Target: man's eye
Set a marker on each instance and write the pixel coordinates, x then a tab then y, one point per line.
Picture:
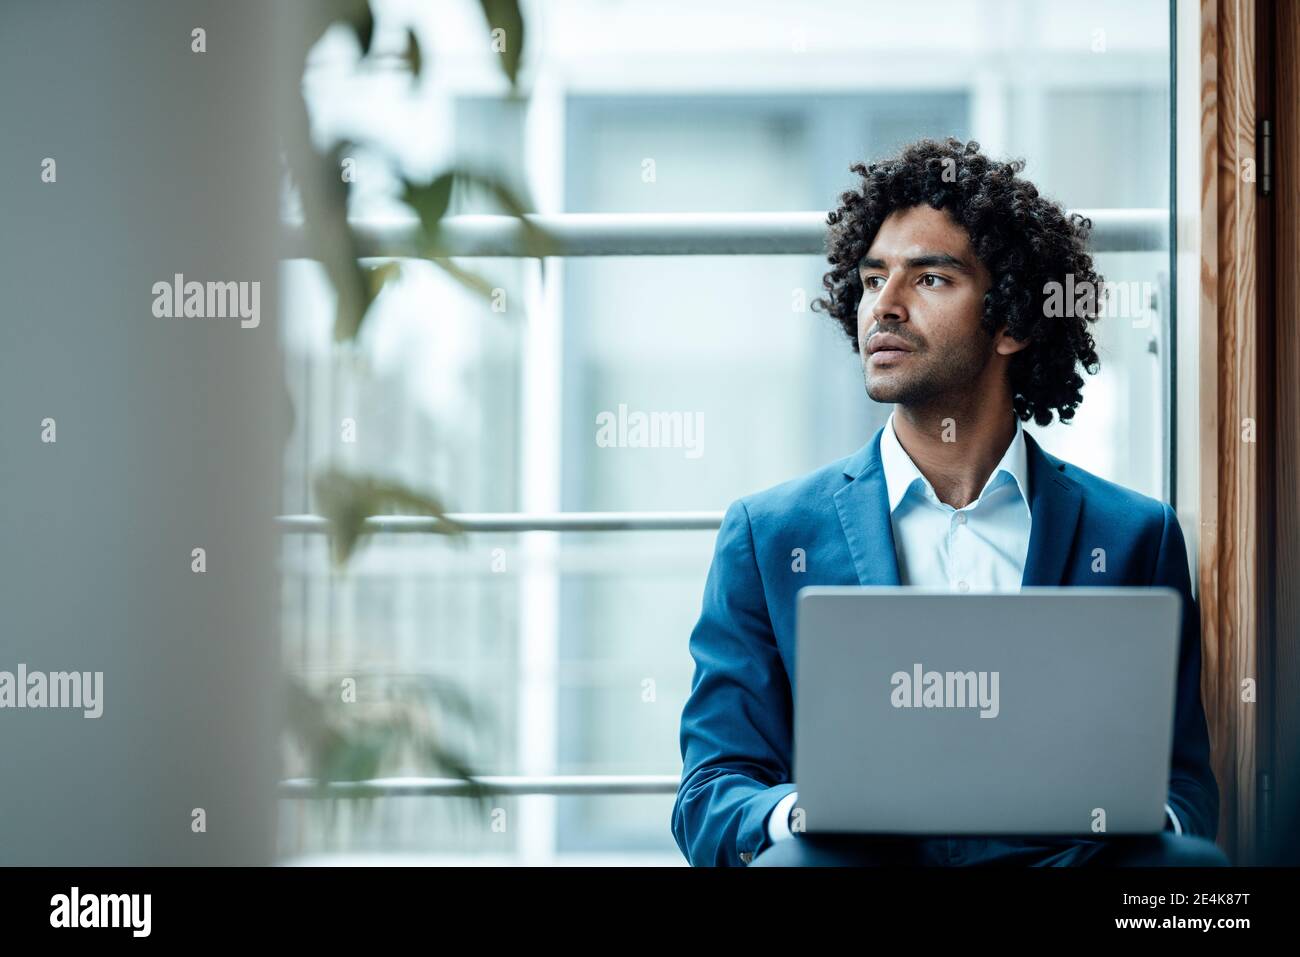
870	282
938	280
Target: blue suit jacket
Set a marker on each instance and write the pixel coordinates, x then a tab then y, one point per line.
737	725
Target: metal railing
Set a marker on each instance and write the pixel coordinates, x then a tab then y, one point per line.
519	522
504	785
606	234
671	234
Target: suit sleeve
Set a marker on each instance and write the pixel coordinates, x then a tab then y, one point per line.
737	722
1193	790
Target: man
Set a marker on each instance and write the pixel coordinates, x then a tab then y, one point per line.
942	266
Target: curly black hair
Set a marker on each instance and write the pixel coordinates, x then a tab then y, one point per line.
1025	240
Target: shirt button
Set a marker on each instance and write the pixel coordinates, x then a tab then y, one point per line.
963	586
960	518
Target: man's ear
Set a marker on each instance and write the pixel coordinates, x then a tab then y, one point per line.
1005	345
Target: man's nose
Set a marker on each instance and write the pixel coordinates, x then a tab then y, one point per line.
889	302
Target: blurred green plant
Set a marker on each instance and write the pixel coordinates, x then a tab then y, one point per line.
377	726
340	740
355	733
323	191
347	500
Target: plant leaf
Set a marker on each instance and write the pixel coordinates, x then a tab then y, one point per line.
359	740
413	57
380	276
429	200
347	500
536	241
313	19
324	196
470	280
504	15
362	22
432	200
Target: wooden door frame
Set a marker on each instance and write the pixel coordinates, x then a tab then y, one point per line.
1238	411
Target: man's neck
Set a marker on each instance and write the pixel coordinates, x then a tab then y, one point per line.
956	453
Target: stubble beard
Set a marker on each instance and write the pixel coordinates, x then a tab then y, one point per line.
950	380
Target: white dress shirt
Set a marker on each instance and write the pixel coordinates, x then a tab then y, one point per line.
979	548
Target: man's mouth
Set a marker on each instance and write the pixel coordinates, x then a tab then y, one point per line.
885	348
888	357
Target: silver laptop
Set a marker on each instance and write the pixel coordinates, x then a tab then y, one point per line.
1048	711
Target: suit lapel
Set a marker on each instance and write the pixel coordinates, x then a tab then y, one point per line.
1054	516
863	506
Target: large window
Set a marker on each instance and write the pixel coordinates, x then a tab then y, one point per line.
574	644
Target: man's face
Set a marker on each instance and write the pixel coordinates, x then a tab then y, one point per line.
919	326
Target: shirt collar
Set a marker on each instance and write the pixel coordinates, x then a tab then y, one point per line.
901	472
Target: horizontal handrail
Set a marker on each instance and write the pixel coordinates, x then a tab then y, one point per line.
501	784
667	234
519	522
